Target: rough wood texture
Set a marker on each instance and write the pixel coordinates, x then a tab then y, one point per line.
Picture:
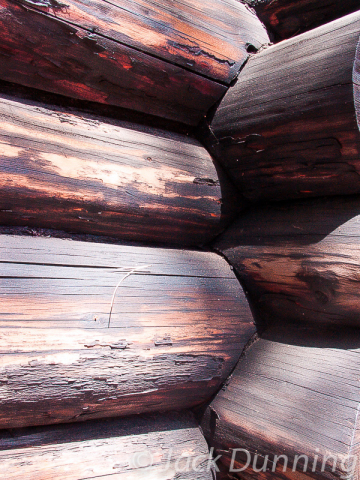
286	18
292	393
87	174
94	330
154	447
288	128
300	261
172	60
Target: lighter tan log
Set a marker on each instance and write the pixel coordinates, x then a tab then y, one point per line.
94	330
87	174
156	447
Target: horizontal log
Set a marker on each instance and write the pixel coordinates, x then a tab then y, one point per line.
288	128
293	395
286	18
160	447
95	330
87	174
299	261
173	61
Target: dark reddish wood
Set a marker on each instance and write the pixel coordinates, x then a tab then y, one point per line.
300	261
171	61
72	105
286	18
292	393
95	330
288	128
87	174
161	447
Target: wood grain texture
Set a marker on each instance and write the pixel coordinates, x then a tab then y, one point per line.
356	81
292	393
171	60
87	174
300	261
95	330
156	447
286	18
288	128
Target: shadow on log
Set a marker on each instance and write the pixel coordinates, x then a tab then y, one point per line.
173	60
286	18
161	447
288	128
87	174
94	330
300	261
290	409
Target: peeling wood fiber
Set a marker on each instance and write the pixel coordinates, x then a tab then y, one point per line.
87	174
288	128
173	60
80	338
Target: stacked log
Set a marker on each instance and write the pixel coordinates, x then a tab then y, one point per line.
94	330
90	331
161	447
288	128
290	409
174	61
81	173
284	18
299	261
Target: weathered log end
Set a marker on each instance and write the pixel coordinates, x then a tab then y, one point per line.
299	261
290	409
288	128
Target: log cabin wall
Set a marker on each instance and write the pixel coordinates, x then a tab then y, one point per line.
293	398
80	346
94	330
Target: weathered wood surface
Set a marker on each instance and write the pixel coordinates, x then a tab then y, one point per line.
292	393
156	447
300	261
73	105
88	174
173	60
288	128
95	330
286	18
